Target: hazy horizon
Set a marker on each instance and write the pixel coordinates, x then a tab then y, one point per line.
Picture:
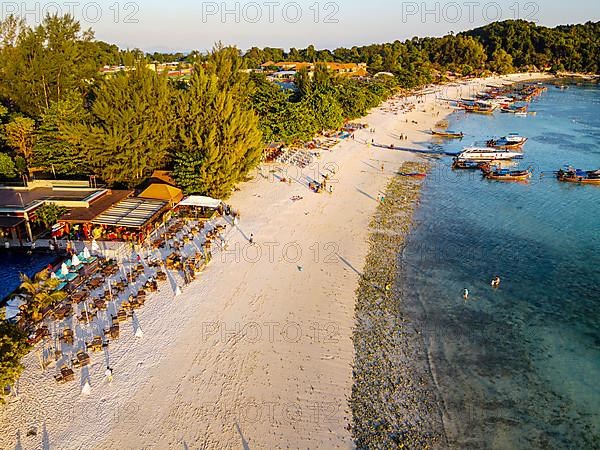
182	26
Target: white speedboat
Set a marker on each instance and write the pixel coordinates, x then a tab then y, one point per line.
488	154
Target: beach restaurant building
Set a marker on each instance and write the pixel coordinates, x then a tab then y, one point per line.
129	219
18	205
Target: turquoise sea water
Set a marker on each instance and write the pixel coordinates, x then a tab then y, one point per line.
517	367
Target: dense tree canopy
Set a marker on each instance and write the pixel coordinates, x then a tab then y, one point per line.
13	347
59	114
570	47
217	136
130	130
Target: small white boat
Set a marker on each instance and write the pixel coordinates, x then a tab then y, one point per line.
488	154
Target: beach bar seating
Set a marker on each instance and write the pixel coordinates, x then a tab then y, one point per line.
81	360
79	296
39	335
67	336
113	331
66	374
97	344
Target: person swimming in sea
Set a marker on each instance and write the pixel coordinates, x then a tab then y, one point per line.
466	294
496	282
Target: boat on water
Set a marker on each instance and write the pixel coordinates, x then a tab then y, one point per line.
494	173
466	164
488	154
511	141
515	109
413	174
479	108
579	176
448	134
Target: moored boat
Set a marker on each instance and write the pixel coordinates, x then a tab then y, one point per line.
466	164
492	173
511	141
579	176
487	154
448	134
479	108
514	110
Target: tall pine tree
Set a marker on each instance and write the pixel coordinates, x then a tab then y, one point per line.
131	127
218	140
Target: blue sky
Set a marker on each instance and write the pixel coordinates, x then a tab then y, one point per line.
183	25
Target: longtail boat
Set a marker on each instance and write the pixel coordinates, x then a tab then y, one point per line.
479	108
466	164
448	134
512	141
579	176
514	109
506	174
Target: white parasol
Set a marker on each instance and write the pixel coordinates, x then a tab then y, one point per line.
86	253
64	269
95	246
75	261
139	333
87	389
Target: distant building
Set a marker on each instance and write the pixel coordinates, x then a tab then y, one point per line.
344	69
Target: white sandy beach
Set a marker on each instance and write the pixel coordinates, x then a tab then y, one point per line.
257	352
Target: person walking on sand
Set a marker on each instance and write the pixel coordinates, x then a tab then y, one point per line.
251	240
382	167
109	374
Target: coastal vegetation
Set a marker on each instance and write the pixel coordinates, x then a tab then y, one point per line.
62	116
13	347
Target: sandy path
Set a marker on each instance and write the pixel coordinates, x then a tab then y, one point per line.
257	352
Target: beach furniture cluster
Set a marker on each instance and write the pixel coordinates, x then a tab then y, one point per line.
102	294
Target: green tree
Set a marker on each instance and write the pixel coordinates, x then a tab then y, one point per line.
218	139
53	149
20	136
327	111
40	293
13	347
46	63
7	166
501	62
48	214
130	128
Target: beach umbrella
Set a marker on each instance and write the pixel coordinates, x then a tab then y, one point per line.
11	313
178	291
16	302
95	247
139	333
75	261
87	389
86	253
64	269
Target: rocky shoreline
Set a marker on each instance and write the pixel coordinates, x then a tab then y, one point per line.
393	400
